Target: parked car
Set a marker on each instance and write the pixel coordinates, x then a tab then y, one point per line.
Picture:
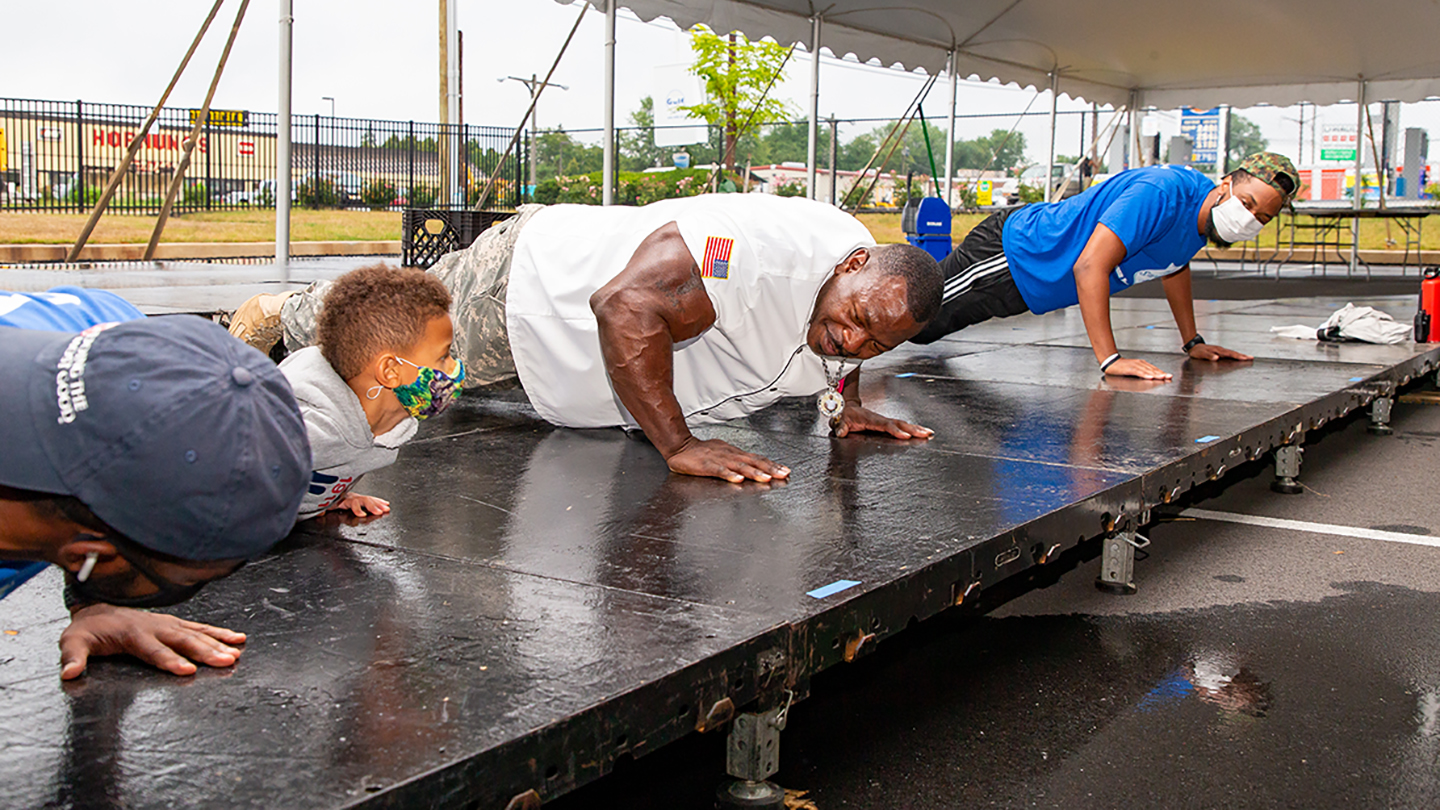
1034	177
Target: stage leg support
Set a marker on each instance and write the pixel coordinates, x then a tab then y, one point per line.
1117	561
752	756
1287	470
1380	416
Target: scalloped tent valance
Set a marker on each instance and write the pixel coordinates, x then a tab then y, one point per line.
1170	53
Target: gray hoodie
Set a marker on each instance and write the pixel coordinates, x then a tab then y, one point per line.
341	444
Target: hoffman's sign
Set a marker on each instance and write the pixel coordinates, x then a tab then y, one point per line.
223	118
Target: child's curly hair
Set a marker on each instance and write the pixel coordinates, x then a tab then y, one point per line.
377	309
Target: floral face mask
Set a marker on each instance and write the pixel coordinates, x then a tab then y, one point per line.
432	391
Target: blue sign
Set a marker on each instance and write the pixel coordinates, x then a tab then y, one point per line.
1202	127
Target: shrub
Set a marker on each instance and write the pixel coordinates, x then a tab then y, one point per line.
969	196
790	190
378	194
92	196
499	195
547	191
194	196
632	188
318	193
422	195
1031	194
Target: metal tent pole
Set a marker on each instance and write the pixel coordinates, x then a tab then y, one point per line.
950	138
1222	153
834	154
283	171
1133	160
1359	176
608	175
811	137
1050	153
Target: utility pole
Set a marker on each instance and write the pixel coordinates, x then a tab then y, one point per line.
444	141
533	84
449	102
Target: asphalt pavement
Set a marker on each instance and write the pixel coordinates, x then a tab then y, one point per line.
1256	667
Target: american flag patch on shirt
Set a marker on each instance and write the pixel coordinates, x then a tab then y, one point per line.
717	257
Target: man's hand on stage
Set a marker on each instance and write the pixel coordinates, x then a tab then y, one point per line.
1135	367
856	418
1207	351
166	642
714	458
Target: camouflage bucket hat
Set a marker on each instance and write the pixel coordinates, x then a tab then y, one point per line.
1268	167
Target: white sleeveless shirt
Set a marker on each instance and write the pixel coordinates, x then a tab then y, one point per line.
763	260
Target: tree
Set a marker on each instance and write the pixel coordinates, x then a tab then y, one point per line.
787	143
637	146
558	154
1245	139
737	73
855	154
1008	152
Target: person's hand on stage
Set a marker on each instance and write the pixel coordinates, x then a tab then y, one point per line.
713	458
161	640
1207	351
362	505
1134	367
856	418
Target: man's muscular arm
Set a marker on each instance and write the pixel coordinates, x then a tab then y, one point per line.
1182	306
1102	254
656	301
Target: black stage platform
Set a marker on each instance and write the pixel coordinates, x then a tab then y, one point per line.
543	602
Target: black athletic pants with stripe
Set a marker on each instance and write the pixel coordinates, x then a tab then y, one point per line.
978	284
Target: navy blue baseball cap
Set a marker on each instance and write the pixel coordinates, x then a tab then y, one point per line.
177	435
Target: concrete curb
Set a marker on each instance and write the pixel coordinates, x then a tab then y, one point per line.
17	254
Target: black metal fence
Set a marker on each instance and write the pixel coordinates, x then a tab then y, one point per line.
58	156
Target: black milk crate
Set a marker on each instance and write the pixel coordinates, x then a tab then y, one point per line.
429	233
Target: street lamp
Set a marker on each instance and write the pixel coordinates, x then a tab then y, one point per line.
533	84
330	99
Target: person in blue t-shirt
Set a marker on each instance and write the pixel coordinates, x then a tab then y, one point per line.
145	457
1139	225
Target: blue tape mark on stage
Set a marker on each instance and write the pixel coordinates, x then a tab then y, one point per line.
1356	379
906	374
1206	439
833	588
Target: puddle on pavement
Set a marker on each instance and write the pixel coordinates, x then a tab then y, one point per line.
1332	703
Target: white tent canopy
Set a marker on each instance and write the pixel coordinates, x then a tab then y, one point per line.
1171	53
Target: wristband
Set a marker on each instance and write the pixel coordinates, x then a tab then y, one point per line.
1192	343
1108	362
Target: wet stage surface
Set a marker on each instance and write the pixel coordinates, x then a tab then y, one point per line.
544	602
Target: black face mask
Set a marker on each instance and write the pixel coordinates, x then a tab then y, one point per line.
168	593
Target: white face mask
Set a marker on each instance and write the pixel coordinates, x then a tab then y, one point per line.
1233	221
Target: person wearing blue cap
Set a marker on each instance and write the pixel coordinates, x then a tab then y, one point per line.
145	457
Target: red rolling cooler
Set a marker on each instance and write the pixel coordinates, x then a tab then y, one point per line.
1427	318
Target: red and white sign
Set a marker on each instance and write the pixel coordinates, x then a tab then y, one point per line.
246	148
